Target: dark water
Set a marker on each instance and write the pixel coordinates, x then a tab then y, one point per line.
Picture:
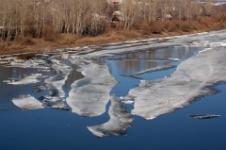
61	129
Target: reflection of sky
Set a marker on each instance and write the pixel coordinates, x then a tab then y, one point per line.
54	129
125	66
125	83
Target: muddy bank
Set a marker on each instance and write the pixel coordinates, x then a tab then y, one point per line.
64	41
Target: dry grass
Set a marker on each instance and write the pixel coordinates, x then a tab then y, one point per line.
153	29
111	36
65	40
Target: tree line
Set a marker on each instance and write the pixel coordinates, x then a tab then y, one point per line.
43	18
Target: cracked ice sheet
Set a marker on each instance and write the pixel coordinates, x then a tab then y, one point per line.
33	63
31	79
118	123
190	80
205	39
27	102
90	95
57	81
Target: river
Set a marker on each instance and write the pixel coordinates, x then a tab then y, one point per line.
129	95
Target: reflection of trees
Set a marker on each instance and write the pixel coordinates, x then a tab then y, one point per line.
135	62
13	73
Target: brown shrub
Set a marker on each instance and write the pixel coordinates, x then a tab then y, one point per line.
67	38
27	41
156	27
172	26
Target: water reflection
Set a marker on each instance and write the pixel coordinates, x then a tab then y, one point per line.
64	129
59	72
131	63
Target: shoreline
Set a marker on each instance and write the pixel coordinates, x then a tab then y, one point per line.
42	46
46	39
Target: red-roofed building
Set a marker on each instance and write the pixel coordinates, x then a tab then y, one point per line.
115	2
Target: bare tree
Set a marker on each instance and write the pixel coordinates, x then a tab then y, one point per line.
40	18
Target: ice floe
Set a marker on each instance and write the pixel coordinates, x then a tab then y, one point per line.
31	79
27	102
205	116
167	66
191	79
118	123
57	80
89	96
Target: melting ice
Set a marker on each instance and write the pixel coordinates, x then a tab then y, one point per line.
82	82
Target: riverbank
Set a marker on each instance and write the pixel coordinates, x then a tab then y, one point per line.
152	30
